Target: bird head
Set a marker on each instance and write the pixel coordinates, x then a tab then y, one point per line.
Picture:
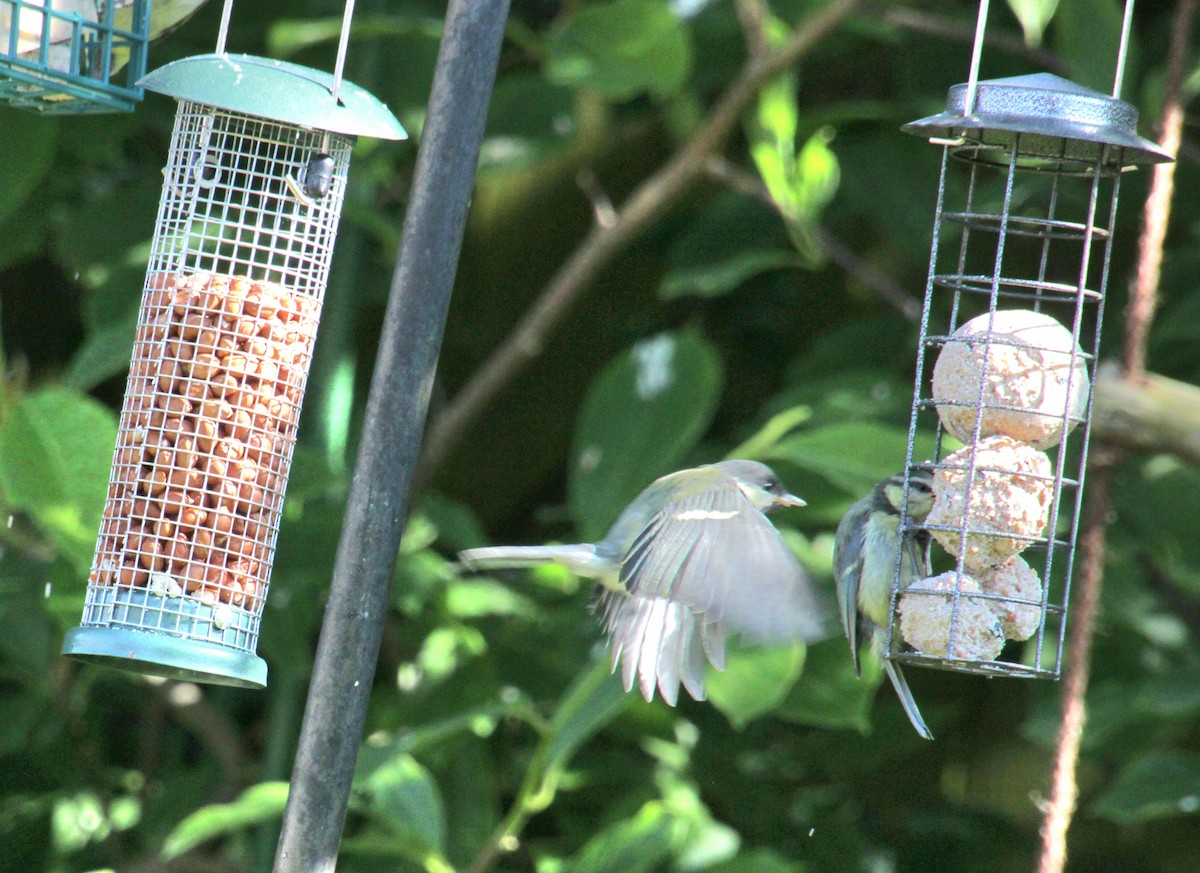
920	492
760	485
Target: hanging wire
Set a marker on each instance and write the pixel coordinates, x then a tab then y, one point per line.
1126	26
223	31
976	56
343	41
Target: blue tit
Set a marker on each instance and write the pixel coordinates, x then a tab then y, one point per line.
692	559
864	562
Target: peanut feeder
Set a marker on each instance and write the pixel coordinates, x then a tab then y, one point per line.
1011	322
252	194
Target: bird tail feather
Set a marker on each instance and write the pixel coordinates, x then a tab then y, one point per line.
512	557
907	699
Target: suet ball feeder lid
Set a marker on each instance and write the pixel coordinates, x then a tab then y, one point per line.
1055	118
275	90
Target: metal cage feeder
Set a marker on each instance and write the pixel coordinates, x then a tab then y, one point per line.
1022	238
73	56
238	266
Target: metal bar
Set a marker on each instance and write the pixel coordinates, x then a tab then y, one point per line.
391	438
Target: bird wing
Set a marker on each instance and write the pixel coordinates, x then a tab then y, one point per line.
848	552
657	642
711	550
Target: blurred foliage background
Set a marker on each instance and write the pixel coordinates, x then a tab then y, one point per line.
778	295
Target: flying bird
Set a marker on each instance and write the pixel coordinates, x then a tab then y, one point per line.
691	560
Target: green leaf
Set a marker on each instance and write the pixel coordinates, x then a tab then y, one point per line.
726	276
621	49
758	861
1034	15
105	353
258	803
1162	783
732	240
778	426
592	701
56	449
642	415
754	681
1087	34
638	845
26	155
852	455
830	695
400	793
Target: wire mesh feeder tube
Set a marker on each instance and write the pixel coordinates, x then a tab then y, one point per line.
1010	326
73	56
230	306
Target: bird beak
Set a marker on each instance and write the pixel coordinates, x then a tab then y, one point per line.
789	500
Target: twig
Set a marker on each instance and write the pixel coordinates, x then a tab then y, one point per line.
1138	316
650	201
752	15
1063	789
1156	215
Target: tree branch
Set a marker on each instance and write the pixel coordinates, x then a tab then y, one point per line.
649	202
1157	212
1138	316
1146	413
1063	790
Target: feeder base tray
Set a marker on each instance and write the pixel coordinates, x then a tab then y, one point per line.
170	657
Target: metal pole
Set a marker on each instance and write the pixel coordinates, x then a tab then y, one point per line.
391	437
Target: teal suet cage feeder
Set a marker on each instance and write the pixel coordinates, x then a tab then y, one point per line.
73	56
1010	329
251	198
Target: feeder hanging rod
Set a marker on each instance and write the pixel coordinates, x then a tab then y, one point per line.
391	437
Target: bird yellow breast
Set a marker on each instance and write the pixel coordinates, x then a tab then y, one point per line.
875	583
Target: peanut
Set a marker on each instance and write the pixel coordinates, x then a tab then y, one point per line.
207	430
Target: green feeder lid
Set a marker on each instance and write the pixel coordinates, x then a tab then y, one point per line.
276	90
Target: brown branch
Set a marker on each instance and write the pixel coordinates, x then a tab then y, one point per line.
650	201
1157	213
1146	413
1064	789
